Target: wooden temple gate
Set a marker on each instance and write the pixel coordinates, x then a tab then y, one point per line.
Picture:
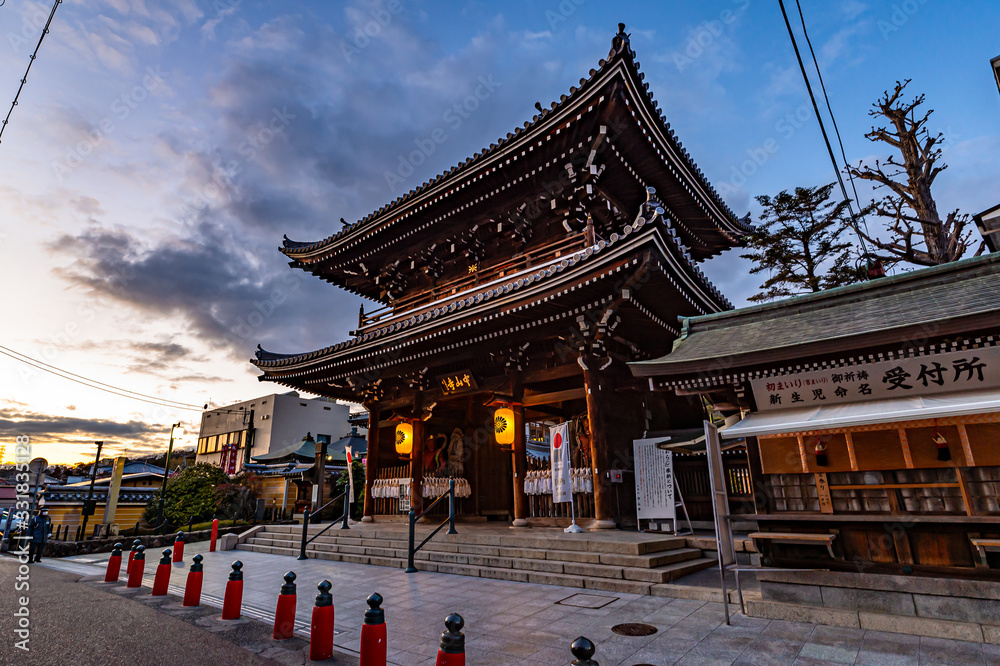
515	288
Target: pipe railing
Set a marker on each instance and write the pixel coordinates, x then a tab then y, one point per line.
450	521
305	522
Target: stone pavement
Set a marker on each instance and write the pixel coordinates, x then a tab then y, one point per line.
529	624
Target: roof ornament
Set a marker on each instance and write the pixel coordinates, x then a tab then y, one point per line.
620	41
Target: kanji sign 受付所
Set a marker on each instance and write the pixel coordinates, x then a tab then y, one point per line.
916	375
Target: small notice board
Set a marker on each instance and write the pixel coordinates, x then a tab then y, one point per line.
654	482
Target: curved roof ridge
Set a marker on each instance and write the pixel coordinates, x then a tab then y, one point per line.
620	49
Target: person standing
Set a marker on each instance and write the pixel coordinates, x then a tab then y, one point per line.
38	532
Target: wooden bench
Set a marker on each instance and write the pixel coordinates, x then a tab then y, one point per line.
799	538
982	545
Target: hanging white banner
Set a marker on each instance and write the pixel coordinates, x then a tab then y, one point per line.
350	471
562	482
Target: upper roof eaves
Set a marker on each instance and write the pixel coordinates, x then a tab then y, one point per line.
621	52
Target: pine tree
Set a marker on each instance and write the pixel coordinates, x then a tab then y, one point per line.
800	243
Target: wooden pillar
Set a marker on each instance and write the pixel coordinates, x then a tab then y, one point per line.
372	468
519	451
417	465
598	443
284	495
471	444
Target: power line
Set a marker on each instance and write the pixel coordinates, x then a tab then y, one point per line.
101	386
833	118
31	61
822	126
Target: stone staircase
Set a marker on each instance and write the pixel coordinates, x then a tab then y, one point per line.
613	563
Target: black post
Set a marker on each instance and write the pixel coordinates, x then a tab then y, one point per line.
347	508
90	494
451	507
409	557
305	533
191	524
77	537
166	473
583	649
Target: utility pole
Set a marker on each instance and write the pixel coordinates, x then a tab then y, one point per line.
166	472
248	446
89	505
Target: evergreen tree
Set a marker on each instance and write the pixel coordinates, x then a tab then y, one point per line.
800	243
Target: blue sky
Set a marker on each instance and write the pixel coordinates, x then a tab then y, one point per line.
159	153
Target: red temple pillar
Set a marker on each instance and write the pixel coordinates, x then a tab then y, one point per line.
372	467
417	465
519	452
592	380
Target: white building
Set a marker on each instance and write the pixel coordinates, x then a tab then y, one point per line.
279	420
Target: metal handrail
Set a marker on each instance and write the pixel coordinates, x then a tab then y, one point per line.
450	520
305	522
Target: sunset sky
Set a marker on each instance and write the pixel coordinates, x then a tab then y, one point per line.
160	150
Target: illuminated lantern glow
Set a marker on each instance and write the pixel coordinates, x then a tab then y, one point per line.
503	425
404	439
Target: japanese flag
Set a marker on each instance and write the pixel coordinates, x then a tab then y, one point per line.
562	489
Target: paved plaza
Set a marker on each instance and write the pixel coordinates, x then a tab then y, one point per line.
520	623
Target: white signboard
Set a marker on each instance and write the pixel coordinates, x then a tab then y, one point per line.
654	480
562	482
919	375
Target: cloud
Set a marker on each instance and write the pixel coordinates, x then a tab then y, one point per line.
292	137
69	428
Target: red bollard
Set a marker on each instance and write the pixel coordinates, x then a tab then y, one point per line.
373	639
232	603
179	547
138	564
192	590
131	555
162	579
321	632
114	564
452	650
284	614
215	534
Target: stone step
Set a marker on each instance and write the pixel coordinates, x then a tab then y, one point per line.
651	568
522	539
384	548
566	574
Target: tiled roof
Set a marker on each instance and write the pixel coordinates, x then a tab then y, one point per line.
73	494
920	298
621	50
504	286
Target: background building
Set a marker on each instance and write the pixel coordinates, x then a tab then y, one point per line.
278	422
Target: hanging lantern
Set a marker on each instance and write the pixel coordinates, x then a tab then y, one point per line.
503	425
404	439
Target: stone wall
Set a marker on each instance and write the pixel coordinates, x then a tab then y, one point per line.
150	541
943	607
